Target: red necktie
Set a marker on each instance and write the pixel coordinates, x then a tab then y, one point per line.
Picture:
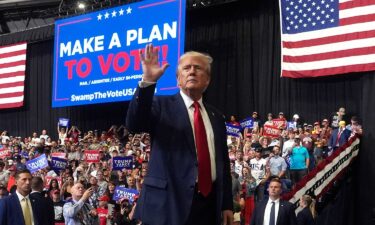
204	162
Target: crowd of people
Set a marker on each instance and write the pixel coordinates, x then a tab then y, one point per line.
255	159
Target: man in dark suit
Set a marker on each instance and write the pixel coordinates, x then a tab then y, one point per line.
44	203
339	136
274	211
20	208
188	180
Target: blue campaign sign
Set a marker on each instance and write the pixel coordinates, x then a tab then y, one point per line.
121	192
96	55
37	163
120	163
247	123
59	163
63	122
233	130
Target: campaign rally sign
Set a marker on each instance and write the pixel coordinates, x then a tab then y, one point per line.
271	131
37	164
121	192
63	122
92	156
120	163
279	123
96	55
58	163
233	130
4	152
291	125
247	123
60	155
49	179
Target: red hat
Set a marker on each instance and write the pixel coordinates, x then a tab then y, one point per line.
104	198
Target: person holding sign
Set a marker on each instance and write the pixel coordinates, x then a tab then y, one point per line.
188	172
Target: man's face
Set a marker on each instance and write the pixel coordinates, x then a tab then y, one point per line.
24	183
193	75
239	156
77	190
274	189
276	150
342	111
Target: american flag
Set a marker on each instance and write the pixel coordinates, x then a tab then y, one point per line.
12	75
327	37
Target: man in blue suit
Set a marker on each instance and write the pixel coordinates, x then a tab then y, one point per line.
188	180
339	136
19	208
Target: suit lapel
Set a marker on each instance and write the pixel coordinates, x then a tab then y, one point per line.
182	113
280	213
17	208
262	210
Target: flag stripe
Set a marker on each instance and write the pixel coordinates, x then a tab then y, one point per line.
330	55
351	60
12	74
11	54
352	4
13	88
328	40
12	48
11	100
12	80
330	32
11	105
10	95
329	71
329	47
357	11
12	64
357	19
12	69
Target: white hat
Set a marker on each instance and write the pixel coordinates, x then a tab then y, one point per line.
296	116
10	162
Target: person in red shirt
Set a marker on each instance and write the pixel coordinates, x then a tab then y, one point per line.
102	210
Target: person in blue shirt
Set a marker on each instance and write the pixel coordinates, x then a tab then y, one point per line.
299	161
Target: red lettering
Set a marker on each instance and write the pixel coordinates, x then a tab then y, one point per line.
84	62
116	65
137	59
104	66
70	65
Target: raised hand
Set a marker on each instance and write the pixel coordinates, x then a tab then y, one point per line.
152	70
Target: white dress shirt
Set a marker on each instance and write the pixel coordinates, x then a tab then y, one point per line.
266	220
207	124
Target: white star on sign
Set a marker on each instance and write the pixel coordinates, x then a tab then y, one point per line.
100	16
121	12
128	10
106	15
114	13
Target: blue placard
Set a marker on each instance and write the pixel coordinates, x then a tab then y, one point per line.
120	163
121	192
37	163
291	125
247	123
64	122
58	163
233	130
96	55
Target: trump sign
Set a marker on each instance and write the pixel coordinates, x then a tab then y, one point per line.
96	55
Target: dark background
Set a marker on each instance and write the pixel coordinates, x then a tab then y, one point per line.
244	39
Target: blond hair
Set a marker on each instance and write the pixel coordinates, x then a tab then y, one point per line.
205	57
310	203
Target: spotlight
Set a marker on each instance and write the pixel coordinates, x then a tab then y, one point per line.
81	5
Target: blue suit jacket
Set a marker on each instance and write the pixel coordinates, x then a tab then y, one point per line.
286	215
343	137
11	211
168	188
